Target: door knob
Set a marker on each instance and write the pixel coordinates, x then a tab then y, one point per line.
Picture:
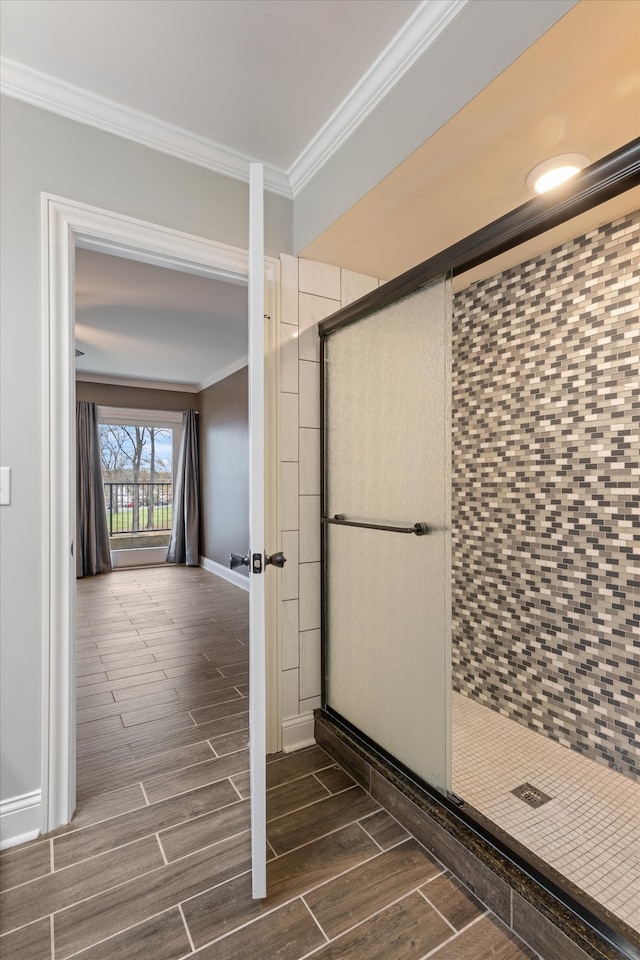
236	560
276	559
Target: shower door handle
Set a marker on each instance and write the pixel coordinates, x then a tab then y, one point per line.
420	529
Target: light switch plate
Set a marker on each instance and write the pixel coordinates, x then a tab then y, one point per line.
5	486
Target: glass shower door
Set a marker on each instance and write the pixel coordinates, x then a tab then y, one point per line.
387	529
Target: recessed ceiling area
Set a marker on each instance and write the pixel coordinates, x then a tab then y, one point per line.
576	90
137	321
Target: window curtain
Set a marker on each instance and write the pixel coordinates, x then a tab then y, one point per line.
184	544
93	554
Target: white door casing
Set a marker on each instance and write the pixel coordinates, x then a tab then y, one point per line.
67	224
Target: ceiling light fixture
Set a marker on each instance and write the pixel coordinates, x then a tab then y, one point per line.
550	173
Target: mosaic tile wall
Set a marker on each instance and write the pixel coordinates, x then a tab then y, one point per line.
546	493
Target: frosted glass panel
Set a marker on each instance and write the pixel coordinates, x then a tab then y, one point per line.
387	615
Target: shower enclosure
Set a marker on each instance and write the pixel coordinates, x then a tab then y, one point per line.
481	517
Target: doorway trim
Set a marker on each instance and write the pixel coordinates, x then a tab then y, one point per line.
67	224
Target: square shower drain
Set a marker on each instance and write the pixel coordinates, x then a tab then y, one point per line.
530	795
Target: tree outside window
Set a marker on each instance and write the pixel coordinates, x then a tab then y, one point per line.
138	458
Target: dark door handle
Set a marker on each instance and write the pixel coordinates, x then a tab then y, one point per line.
276	559
236	560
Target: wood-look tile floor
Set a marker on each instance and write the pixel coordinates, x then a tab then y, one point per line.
156	862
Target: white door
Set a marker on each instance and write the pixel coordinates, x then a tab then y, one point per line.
257	559
257	659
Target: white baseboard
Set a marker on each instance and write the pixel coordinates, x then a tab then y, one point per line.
225	572
20	819
297	732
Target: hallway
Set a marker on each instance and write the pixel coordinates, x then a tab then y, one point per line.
156	861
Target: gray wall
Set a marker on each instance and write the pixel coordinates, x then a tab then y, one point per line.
45	152
136	398
224	468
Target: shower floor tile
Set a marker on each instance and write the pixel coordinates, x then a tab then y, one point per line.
590	829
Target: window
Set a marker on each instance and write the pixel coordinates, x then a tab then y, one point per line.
137	450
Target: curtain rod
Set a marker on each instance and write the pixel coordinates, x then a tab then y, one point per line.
603	180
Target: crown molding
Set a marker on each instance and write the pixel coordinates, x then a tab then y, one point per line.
165	384
143	384
428	22
224	373
49	93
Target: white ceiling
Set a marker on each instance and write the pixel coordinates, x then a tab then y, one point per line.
139	322
229	71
